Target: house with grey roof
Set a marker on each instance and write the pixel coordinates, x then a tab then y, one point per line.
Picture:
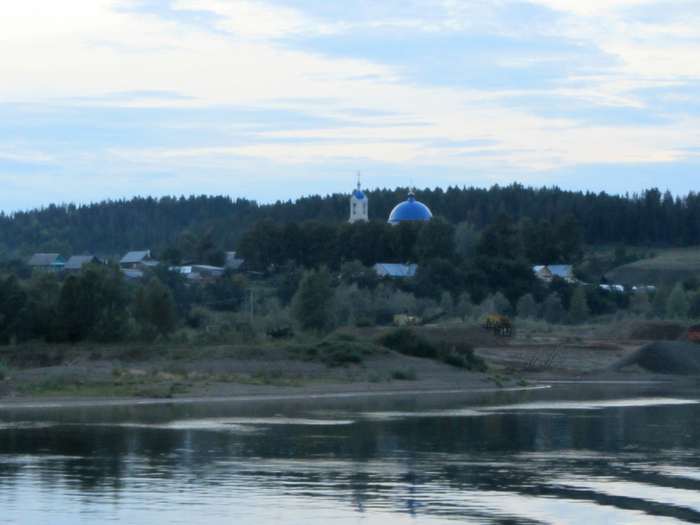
138	260
48	261
201	272
395	270
75	263
565	271
546	273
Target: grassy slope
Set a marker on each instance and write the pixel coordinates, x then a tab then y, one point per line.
668	267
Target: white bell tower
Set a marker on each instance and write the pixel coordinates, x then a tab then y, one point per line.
359	204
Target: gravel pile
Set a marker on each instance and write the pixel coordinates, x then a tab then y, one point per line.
664	357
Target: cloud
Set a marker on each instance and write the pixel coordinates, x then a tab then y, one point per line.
483	61
272	99
585	112
168	10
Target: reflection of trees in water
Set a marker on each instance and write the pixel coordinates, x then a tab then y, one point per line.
398	464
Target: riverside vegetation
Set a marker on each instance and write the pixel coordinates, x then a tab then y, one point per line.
315	276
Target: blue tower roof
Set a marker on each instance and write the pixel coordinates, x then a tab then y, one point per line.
411	210
358	194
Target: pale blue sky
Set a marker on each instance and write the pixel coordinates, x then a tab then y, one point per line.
280	99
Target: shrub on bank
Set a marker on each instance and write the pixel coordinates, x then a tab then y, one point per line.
406	341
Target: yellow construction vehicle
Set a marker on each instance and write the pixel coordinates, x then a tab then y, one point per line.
499	325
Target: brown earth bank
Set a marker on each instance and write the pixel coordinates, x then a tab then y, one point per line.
289	368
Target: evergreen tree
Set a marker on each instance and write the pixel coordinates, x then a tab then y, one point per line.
499	240
677	304
311	304
435	241
93	305
527	307
464	305
13	302
578	307
500	305
466	238
154	310
43	291
640	304
209	253
553	310
659	302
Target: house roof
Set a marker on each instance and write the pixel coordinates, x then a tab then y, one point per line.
537	268
76	261
46	259
132	274
134	257
560	269
206	267
232	262
396	270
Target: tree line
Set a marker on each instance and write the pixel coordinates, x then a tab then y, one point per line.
99	304
649	218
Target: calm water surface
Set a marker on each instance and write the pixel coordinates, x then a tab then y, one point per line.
584	454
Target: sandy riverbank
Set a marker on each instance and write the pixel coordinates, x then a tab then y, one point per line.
160	373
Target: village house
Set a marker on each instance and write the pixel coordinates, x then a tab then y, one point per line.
75	263
138	261
546	273
47	261
201	272
542	272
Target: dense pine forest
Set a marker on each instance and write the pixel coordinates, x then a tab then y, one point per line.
651	218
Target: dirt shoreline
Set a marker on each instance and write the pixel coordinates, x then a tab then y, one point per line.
152	375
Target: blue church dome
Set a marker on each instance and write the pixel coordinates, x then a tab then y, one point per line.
358	194
410	211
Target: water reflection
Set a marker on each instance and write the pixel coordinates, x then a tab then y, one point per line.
565	455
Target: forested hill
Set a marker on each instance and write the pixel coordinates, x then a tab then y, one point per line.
113	227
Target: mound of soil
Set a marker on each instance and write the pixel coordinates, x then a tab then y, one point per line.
644	331
664	357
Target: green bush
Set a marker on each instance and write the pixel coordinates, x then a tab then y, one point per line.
460	355
407	342
337	350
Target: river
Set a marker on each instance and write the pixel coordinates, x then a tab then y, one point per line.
588	453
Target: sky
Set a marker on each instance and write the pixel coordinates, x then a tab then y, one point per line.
278	99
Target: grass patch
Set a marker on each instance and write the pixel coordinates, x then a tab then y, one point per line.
336	350
121	383
267	380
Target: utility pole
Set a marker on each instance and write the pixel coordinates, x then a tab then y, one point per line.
251	308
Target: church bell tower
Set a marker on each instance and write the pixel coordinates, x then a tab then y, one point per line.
359	205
